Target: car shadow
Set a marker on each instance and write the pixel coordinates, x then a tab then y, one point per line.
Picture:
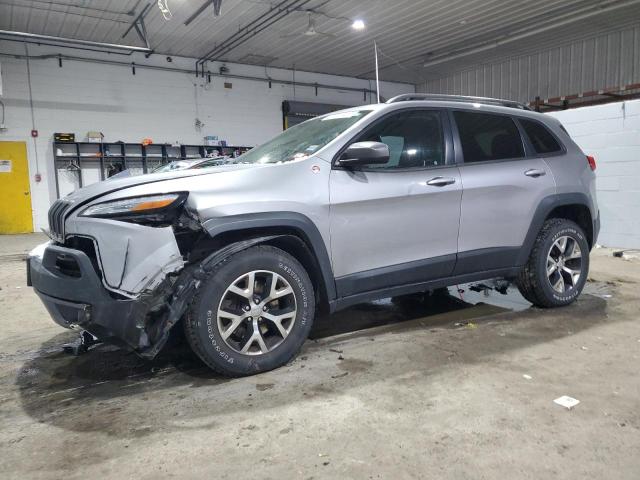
71	392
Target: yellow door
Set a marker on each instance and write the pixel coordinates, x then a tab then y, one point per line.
15	196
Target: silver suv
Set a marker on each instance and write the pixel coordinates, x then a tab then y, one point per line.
369	202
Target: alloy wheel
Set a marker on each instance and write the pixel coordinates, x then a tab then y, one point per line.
564	264
256	312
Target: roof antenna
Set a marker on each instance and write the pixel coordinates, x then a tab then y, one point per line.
375	49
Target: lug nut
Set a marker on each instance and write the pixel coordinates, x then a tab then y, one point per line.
246	308
265	308
257	300
249	319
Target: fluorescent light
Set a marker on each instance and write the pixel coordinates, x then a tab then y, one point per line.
358	24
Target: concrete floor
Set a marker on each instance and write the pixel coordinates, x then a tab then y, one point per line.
380	391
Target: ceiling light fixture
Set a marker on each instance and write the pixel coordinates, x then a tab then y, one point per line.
163	5
358	24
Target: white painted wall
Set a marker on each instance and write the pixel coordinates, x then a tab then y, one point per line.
162	105
611	133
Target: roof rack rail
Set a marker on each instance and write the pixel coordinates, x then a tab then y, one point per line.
406	97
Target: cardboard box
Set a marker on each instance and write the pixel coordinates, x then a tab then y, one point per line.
95	137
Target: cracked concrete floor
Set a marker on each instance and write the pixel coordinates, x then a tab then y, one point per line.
380	391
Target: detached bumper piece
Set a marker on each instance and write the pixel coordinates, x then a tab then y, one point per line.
72	291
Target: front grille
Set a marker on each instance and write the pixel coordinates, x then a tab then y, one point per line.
86	246
56	219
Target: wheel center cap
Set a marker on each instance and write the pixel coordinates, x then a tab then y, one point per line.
256	312
561	262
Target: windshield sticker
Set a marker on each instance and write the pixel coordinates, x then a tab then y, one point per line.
312	148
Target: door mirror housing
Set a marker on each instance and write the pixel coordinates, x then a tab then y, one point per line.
364	153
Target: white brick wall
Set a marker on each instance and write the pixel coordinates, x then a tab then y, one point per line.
162	105
611	133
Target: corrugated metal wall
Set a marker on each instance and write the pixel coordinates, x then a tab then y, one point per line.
599	62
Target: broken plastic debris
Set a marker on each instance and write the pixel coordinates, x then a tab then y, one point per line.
465	324
566	402
527	377
627	254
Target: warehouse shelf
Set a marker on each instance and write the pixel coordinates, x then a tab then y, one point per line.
115	157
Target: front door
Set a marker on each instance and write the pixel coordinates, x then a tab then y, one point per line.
397	223
15	195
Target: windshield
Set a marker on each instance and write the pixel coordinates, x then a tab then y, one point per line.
304	139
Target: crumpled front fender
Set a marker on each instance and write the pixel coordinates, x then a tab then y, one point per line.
133	258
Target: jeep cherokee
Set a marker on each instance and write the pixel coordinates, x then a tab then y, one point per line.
422	192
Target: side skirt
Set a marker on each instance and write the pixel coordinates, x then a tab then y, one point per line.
350	300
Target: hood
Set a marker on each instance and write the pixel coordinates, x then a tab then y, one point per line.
118	183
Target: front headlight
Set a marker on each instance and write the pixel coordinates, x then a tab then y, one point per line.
155	210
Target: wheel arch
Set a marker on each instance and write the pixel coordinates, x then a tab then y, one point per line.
572	206
292	232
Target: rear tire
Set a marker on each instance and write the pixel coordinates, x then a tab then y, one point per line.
558	265
252	313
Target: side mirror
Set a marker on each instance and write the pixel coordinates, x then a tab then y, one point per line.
364	153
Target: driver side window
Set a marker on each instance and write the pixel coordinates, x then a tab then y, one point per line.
415	139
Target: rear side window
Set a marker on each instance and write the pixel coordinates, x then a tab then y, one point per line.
485	137
541	138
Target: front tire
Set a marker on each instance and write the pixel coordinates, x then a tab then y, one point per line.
252	313
558	265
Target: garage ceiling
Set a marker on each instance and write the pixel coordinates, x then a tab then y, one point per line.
409	33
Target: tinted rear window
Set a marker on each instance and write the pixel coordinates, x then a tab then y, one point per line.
486	137
541	138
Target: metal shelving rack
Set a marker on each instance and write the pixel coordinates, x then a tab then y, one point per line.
114	157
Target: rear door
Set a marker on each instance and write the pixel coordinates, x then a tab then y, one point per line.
503	183
397	223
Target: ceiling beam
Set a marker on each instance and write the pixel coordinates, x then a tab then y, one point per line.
49	39
254	27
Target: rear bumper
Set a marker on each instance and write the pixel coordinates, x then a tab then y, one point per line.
76	297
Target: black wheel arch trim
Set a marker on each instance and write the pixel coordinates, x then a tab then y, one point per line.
300	223
545	207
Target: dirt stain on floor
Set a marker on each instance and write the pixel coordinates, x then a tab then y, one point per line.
354	365
264	386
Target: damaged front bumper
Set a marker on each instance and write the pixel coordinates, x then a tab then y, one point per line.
72	290
78	299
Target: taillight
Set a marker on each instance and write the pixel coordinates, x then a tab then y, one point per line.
592	162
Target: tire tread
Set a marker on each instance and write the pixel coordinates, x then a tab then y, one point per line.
527	281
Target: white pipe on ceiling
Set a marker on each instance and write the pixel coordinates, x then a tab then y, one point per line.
527	33
34	37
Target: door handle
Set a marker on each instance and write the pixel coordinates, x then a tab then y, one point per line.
535	172
440	181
